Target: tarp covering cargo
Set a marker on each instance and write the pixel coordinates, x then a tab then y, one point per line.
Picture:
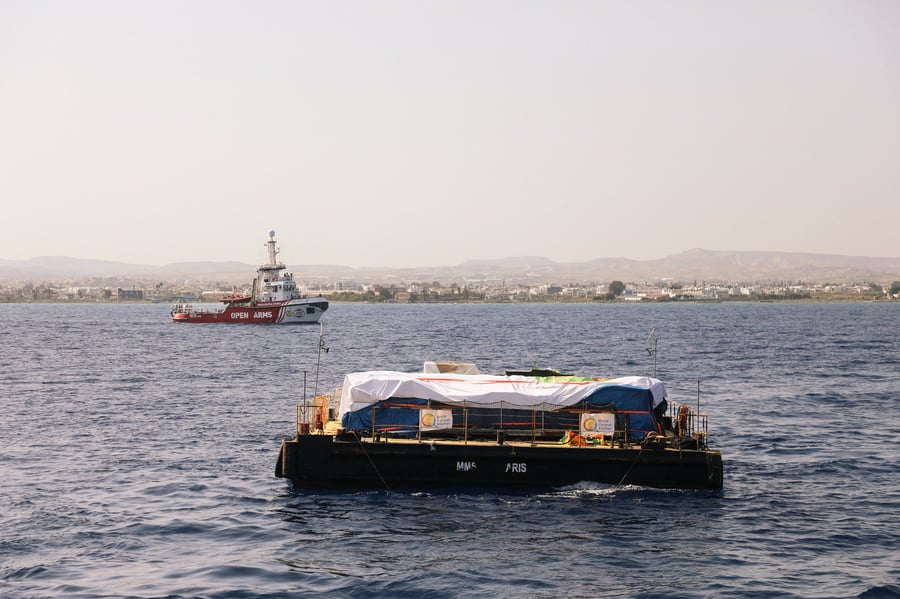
501	401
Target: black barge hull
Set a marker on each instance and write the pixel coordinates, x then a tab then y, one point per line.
318	461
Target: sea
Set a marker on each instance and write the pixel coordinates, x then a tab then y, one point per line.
137	456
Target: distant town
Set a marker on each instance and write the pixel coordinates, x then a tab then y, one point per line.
695	275
124	290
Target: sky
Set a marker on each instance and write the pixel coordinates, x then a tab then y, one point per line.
428	133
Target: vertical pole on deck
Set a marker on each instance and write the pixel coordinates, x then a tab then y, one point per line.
652	352
303	419
427	407
466	430
698	398
319	354
698	406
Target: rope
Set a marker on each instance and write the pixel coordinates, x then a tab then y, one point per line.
634	461
374	467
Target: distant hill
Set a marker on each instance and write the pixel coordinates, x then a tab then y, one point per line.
788	266
689	266
61	267
692	265
51	268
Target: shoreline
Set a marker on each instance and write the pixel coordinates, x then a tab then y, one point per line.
751	300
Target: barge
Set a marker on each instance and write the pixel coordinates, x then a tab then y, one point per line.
451	426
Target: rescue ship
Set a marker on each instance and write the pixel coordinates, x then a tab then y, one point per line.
274	298
451	426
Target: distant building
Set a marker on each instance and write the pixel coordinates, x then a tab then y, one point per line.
124	295
185	298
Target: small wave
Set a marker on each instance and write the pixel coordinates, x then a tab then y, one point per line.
888	591
588	489
153	477
600	490
26	573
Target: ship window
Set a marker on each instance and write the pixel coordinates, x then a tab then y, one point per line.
310	310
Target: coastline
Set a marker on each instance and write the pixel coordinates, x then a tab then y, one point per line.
643	301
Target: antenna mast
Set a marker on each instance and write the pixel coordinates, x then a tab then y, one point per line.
652	351
319	356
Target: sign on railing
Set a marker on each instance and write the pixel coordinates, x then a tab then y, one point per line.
594	424
433	420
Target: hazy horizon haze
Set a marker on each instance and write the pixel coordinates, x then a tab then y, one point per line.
405	134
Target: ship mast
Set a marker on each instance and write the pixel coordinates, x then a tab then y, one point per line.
273	252
269	270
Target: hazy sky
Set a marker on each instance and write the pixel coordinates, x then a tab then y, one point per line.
391	133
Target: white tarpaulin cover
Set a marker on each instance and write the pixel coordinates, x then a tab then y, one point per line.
362	389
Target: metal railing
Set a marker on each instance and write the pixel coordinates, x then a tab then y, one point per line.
314	414
680	423
686	422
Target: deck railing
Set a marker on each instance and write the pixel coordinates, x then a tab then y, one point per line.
680	422
686	422
314	414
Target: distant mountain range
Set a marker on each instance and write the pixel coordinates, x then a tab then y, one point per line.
689	266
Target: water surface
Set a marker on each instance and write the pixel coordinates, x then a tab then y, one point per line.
137	457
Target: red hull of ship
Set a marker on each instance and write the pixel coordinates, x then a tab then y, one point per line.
287	313
246	315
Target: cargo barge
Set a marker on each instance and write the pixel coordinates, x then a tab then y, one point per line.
451	426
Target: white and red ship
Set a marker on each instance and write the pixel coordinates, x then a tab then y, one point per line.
273	299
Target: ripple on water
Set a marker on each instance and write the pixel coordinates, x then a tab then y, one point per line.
138	460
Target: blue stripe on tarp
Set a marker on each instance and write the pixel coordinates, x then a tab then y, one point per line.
401	415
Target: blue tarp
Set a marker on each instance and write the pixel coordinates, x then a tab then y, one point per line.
632	405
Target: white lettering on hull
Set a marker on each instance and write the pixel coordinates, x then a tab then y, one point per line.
258	315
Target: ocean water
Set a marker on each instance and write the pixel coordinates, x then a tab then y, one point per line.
137	457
